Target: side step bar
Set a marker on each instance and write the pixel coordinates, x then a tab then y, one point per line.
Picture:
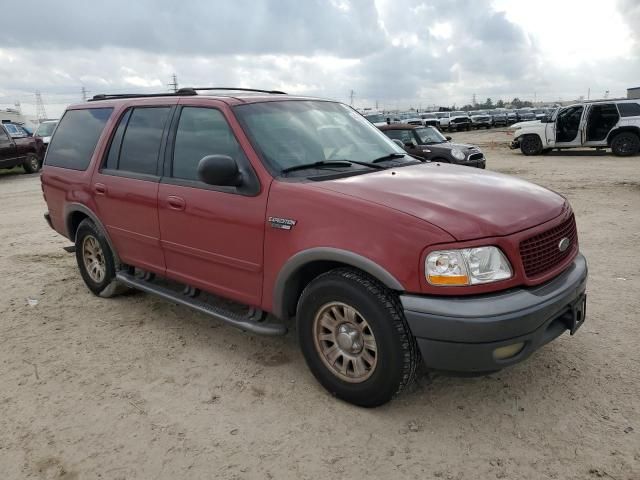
251	323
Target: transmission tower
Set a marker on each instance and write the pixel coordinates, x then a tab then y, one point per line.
473	100
41	113
351	95
84	92
174	83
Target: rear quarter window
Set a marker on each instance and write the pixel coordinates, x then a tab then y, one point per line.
629	109
76	137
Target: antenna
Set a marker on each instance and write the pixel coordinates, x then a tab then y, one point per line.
174	83
41	113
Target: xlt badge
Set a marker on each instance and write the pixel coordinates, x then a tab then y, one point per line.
282	223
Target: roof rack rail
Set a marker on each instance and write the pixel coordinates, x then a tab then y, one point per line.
182	91
237	89
113	96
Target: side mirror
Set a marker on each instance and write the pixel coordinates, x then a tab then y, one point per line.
448	138
398	142
220	170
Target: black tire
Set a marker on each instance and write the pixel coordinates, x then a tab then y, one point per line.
531	145
625	144
31	163
106	286
396	353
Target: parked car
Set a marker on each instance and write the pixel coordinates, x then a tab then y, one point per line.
455	121
45	130
614	124
498	118
430	120
525	115
430	144
18	149
480	119
300	209
512	117
377	119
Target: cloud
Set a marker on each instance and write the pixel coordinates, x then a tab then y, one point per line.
398	52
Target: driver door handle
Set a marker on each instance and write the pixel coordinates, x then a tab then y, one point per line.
176	203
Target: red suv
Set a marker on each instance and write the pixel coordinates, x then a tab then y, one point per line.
297	208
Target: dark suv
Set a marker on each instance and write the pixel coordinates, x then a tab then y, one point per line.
298	208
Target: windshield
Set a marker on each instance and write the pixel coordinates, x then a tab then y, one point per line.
427	115
293	133
430	135
458	114
45	129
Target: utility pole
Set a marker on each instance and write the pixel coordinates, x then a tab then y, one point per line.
174	83
84	92
41	113
351	95
376	105
588	93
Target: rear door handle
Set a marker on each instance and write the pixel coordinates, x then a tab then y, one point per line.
176	203
100	188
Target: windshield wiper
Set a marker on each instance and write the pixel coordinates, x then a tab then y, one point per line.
330	163
388	157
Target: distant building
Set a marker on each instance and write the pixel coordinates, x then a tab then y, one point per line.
633	92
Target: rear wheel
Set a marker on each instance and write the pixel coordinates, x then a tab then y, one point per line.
355	338
625	144
531	145
95	261
31	163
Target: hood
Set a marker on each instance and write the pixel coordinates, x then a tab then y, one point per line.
524	124
467	203
450	146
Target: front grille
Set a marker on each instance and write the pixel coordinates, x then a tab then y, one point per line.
460	120
541	252
475	156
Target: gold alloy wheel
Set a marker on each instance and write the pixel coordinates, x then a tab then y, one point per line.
345	342
93	257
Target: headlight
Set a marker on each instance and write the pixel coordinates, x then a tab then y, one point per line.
457	154
469	266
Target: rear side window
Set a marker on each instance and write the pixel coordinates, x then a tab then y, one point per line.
629	109
3	136
76	137
136	143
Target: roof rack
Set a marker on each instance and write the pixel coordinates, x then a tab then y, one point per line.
180	92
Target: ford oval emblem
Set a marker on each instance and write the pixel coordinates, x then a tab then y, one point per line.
564	244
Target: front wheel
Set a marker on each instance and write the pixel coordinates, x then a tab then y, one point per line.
531	145
625	144
355	338
31	163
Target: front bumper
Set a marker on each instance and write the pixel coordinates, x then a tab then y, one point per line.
515	144
460	334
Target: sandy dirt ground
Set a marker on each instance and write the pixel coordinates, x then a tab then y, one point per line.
137	388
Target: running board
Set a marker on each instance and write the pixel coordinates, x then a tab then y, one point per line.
251	323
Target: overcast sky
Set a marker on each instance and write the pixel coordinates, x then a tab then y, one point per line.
399	53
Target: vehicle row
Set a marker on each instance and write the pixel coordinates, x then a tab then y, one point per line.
458	120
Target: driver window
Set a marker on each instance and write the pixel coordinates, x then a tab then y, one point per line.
201	132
